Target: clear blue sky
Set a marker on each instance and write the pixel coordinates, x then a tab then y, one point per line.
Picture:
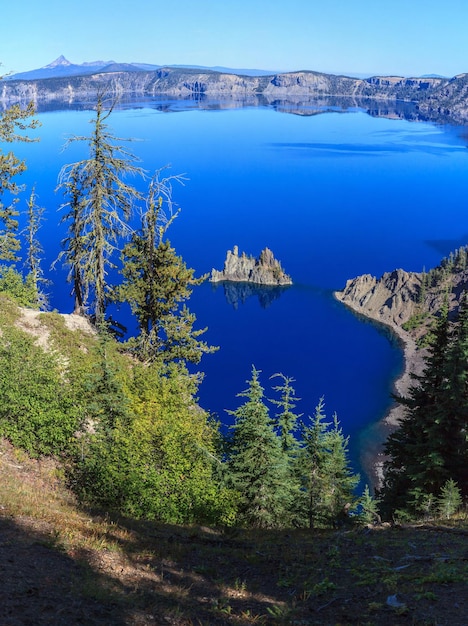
405	37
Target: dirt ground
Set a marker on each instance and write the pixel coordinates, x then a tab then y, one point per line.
60	564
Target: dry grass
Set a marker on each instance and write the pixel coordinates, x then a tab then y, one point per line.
65	565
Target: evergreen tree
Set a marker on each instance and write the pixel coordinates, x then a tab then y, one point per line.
430	445
34	249
286	426
412	462
157	283
339	481
286	420
450	499
74	245
423	289
369	513
257	465
101	204
12	121
10	166
311	462
450	430
327	480
461	258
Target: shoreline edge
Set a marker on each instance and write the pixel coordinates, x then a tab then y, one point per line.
372	455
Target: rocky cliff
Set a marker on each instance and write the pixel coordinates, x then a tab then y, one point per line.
436	97
391	299
264	270
398	296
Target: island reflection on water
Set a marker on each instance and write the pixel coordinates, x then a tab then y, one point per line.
237	293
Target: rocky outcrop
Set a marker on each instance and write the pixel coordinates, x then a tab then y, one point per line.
448	99
391	299
265	270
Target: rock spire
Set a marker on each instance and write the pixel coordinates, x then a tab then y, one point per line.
264	270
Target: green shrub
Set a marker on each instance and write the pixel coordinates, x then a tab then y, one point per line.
152	452
450	499
22	290
415	321
37	412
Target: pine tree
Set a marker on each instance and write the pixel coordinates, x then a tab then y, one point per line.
34	249
339	481
311	463
157	283
461	258
12	120
286	420
10	166
423	289
430	445
286	427
327	480
412	462
450	429
450	499
74	245
369	513
256	464
101	204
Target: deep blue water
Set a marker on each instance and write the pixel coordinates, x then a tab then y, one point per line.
333	195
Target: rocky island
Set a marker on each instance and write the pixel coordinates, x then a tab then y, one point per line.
264	270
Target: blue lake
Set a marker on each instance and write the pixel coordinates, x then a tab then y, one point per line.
334	195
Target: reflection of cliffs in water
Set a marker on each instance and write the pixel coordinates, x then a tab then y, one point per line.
303	106
238	293
342	104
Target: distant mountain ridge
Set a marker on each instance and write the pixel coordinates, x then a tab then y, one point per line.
62	67
434	98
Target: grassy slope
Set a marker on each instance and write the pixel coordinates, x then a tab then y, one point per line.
60	564
64	565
